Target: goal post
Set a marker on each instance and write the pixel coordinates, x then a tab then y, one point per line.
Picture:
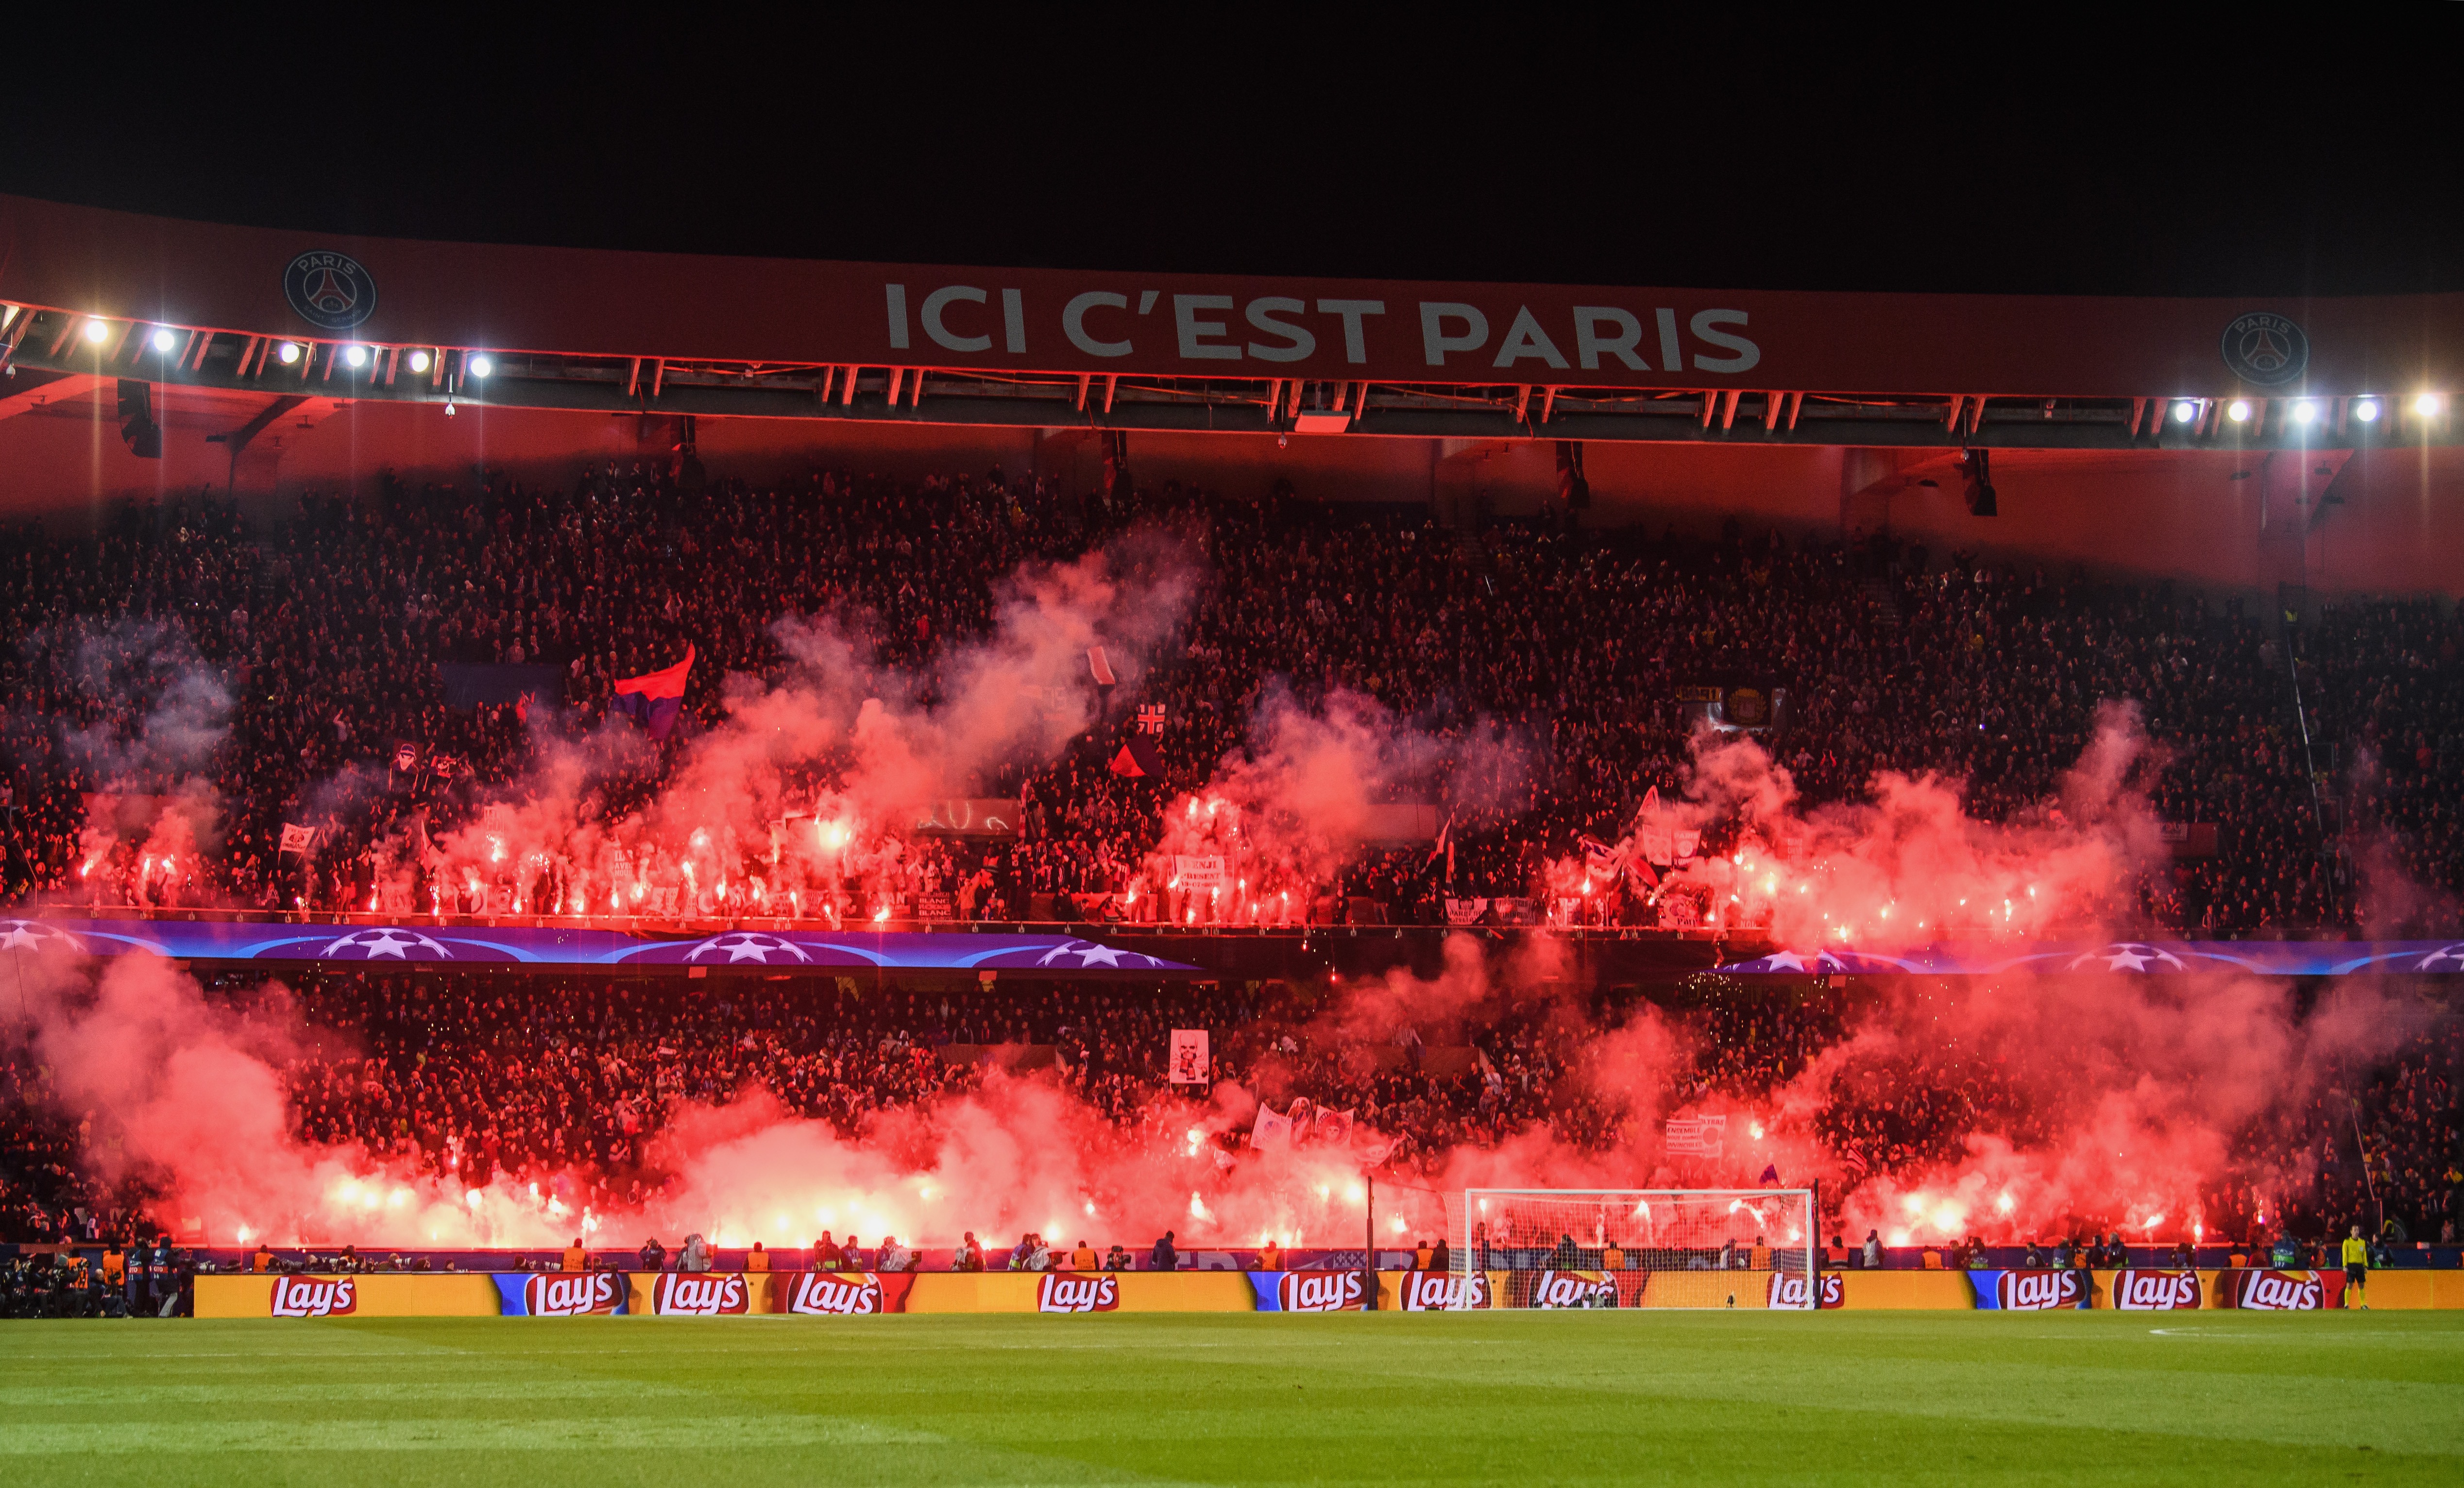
1555	1248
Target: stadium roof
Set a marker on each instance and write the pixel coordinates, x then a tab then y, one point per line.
267	315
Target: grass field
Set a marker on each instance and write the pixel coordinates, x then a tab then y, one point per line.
1522	1398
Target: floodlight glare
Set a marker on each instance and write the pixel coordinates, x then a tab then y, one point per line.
481	366
2304	411
163	339
355	356
2367	410
2427	405
2185	411
287	353
95	331
2238	411
419	361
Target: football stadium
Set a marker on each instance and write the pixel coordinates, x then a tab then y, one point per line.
872	853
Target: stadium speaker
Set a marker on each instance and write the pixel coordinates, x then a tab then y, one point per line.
1116	464
137	427
1572	488
1980	481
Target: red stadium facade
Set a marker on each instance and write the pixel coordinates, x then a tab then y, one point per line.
576	329
264	360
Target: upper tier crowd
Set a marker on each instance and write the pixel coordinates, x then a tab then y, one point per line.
569	1087
224	681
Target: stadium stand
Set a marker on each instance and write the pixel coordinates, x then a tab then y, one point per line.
331	628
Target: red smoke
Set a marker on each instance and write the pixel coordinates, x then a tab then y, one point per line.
2110	1100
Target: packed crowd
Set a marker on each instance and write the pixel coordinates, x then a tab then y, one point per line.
573	1084
184	687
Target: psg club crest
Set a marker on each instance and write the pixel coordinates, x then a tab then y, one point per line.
2266	350
328	290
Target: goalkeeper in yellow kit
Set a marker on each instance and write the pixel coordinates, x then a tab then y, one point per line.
2356	1269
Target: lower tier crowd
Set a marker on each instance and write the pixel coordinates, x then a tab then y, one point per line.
571	1083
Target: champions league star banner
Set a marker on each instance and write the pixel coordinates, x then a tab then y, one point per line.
2135	958
472	945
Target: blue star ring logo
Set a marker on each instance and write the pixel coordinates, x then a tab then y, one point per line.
2266	350
331	291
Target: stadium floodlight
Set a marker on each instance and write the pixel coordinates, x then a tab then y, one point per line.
95	331
480	365
2304	411
1563	1248
287	353
2427	405
2185	411
419	361
355	356
2367	409
2238	411
165	337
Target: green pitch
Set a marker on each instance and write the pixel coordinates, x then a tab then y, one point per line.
2056	1398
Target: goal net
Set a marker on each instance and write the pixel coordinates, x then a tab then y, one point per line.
1631	1248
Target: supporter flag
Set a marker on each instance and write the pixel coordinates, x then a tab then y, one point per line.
1137	759
653	699
1101	666
1188	1056
406	758
1599	858
1149	717
1272	1130
1334	1127
298	839
1701	1136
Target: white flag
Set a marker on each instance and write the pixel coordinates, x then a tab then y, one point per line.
1199	873
1699	1136
298	839
1272	1130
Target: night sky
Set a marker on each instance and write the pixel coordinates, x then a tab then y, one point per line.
2093	151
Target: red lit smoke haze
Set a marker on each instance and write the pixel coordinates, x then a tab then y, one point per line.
2120	1096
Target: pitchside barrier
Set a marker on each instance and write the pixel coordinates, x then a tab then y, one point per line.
837	1293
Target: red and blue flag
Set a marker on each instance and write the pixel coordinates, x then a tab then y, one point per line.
653	699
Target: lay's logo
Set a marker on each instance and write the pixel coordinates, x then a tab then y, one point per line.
2156	1291
2281	1291
819	1294
1059	1292
1319	1291
1573	1289
310	1297
1790	1291
2027	1291
677	1294
1439	1290
564	1296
